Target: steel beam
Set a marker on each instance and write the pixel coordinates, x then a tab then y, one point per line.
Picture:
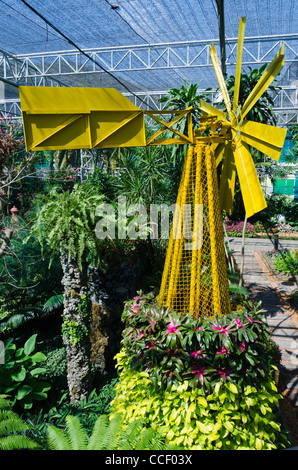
257	50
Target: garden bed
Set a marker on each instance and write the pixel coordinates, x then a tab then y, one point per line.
285	279
203	383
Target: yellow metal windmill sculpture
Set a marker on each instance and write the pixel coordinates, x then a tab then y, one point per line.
195	276
195	273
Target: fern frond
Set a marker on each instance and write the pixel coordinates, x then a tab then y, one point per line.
76	433
98	433
57	439
112	433
18	442
5	402
11	422
130	436
149	439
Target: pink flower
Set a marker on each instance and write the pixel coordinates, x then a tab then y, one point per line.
198	354
239	324
137	298
221	329
150	345
172	328
242	346
251	320
136	308
223	372
198	329
199	371
140	334
223	350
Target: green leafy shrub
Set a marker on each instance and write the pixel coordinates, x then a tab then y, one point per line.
87	411
231	417
293	299
19	374
13	429
203	383
287	262
172	347
106	435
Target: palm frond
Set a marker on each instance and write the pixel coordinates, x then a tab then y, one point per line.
53	303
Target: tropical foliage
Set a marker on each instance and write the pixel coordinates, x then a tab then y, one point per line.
172	347
13	429
205	383
20	372
106	435
66	221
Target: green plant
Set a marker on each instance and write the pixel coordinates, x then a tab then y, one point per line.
74	331
230	417
293	299
203	383
66	221
106	435
20	373
287	262
87	410
172	347
13	429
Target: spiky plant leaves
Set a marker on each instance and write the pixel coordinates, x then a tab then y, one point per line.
106	435
57	439
13	428
66	221
77	435
53	303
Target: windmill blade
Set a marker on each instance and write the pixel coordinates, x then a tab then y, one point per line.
266	79
220	79
227	179
239	62
252	193
267	139
211	110
218	149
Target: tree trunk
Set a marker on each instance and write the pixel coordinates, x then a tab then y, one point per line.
75	327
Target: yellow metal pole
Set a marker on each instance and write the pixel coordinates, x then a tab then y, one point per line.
178	244
196	251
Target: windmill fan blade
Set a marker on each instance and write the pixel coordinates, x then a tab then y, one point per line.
266	79
220	79
211	110
253	197
239	62
267	139
227	180
218	152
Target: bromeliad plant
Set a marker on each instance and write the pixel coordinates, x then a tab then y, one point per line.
172	347
202	383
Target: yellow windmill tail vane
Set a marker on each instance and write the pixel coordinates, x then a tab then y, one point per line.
195	273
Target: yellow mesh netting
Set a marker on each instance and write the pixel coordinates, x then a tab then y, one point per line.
195	274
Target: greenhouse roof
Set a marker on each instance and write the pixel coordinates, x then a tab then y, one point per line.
142	45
